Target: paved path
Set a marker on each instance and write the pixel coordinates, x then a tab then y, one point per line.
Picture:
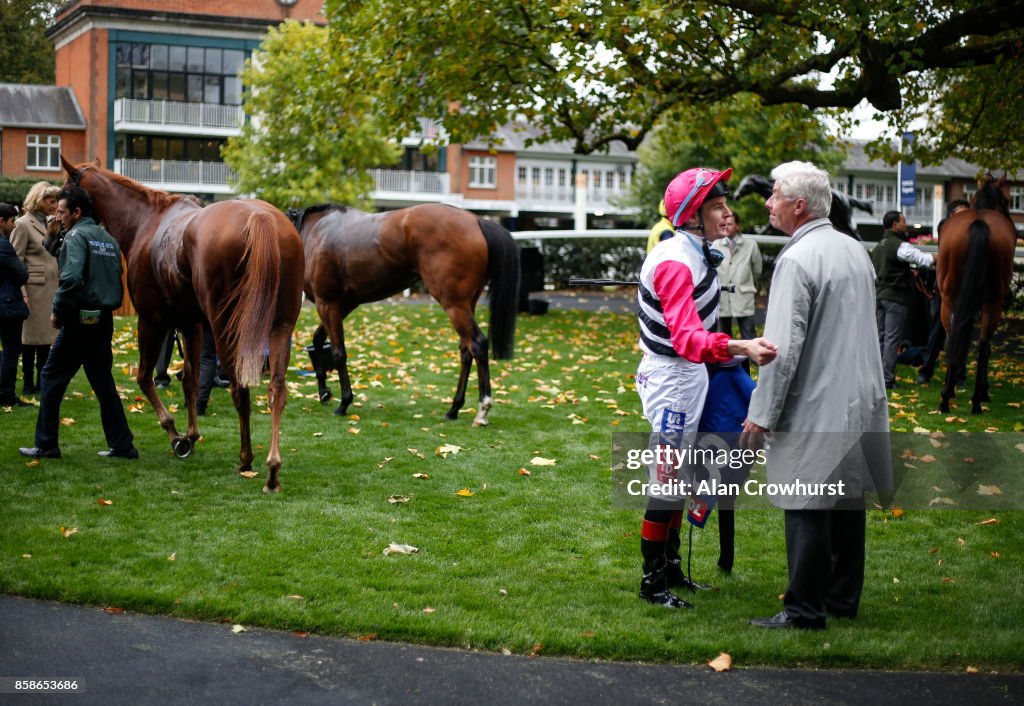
127	658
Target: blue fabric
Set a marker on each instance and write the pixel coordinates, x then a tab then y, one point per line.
725	409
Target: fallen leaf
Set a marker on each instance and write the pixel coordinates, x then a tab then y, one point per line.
104	501
428	609
421	476
68	532
523	472
173	556
933	550
446	449
971	670
367	637
897	512
465	492
948	580
113	610
502	592
398	499
248	474
67	421
961	541
989	521
995	555
927	458
317	434
238	628
537	648
968	460
590	634
400	549
296	597
595	457
301	633
33	463
541	461
29	556
941	501
721	663
989	490
354	430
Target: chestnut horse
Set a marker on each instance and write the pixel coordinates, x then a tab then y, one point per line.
841	213
974	268
237	264
354	257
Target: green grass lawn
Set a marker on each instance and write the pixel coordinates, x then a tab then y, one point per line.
538	562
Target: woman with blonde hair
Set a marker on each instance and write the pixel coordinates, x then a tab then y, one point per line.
27	239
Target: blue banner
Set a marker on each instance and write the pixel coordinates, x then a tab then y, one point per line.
908	175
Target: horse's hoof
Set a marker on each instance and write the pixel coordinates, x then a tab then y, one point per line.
480	421
340	411
451	416
182	447
326	396
267	490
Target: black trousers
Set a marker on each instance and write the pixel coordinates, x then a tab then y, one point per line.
10	341
82	346
825	554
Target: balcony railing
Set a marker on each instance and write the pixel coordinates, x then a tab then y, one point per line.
173	116
171	175
406	182
565	196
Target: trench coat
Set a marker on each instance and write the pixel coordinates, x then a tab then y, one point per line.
740	268
27	239
824	397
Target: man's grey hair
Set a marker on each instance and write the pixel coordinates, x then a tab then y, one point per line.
803	180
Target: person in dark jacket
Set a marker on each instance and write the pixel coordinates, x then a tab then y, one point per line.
89	289
13	308
894	287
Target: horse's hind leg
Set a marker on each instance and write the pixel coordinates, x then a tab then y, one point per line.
473	345
322	390
333	318
240	396
151	339
990	317
280	349
190	381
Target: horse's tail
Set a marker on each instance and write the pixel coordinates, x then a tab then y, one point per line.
254	297
503	272
969	296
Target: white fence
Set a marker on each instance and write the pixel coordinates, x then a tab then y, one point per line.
177	114
166	171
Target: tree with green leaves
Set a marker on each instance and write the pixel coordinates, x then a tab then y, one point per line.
594	71
26	55
309	139
740	133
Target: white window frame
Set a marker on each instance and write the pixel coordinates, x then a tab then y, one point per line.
483	172
1017	199
35	146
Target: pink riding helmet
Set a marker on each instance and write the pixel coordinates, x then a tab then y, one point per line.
691	188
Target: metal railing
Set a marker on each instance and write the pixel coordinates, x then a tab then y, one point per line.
166	171
178	114
408	182
566	195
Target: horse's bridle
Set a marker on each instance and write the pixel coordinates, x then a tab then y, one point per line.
76	180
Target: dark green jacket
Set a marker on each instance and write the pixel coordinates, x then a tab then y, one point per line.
90	271
894	281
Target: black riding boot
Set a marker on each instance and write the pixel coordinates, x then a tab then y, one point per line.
654	584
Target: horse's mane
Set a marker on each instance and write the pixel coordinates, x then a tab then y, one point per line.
990	196
158	199
297	216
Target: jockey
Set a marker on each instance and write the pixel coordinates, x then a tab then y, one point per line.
678	310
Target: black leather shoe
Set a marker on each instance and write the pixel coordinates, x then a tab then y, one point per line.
783	620
130	452
35	452
665	598
221	382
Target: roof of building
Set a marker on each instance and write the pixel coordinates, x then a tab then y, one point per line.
512	137
858	161
32	106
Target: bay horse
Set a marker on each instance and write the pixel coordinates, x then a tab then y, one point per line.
354	257
974	268
841	213
237	264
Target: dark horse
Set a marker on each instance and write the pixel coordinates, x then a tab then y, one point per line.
841	213
354	257
237	264
974	268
